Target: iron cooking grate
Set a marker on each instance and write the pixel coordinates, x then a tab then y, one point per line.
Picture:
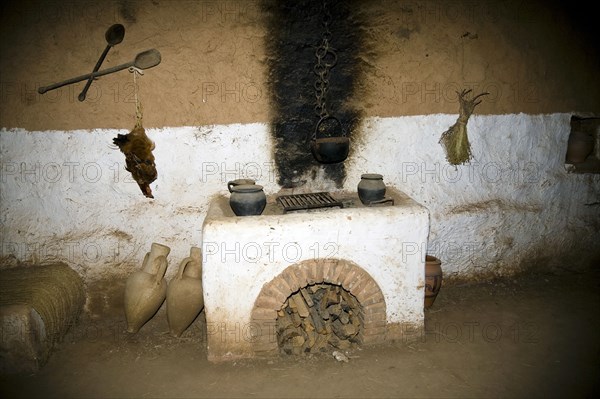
297	202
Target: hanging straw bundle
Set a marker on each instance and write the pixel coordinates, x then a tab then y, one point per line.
455	140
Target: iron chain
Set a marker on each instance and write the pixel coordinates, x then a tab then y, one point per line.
326	59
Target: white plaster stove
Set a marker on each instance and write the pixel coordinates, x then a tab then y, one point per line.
252	264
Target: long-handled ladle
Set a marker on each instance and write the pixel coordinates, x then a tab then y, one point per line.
114	35
144	60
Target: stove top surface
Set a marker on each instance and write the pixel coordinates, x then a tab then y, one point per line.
339	201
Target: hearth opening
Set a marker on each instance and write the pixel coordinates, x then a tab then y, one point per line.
319	318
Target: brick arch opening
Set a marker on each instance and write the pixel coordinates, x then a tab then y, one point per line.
348	275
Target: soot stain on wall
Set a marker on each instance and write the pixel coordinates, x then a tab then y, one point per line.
295	31
127	10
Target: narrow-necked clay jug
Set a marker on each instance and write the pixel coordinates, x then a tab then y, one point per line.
433	279
185	298
146	289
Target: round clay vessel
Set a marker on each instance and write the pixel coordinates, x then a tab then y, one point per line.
146	289
579	146
371	188
185	299
433	279
247	199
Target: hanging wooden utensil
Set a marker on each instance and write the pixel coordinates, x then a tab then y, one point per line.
144	60
114	35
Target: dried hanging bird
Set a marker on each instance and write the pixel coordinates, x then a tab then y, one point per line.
137	147
139	160
455	140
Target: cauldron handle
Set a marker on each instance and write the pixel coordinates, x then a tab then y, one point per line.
314	137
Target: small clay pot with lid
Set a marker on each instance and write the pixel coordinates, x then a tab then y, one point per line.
371	188
239	182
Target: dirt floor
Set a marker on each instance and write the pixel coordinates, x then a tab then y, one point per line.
533	336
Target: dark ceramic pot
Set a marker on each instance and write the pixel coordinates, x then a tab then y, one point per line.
371	188
247	199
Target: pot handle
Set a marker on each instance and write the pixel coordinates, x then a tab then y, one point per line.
314	137
161	262
182	267
145	261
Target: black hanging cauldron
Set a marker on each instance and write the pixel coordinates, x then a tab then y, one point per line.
333	148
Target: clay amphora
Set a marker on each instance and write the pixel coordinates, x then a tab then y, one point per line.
185	299
146	289
247	199
433	279
371	188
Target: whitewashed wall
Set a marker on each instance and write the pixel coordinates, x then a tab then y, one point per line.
66	195
514	206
